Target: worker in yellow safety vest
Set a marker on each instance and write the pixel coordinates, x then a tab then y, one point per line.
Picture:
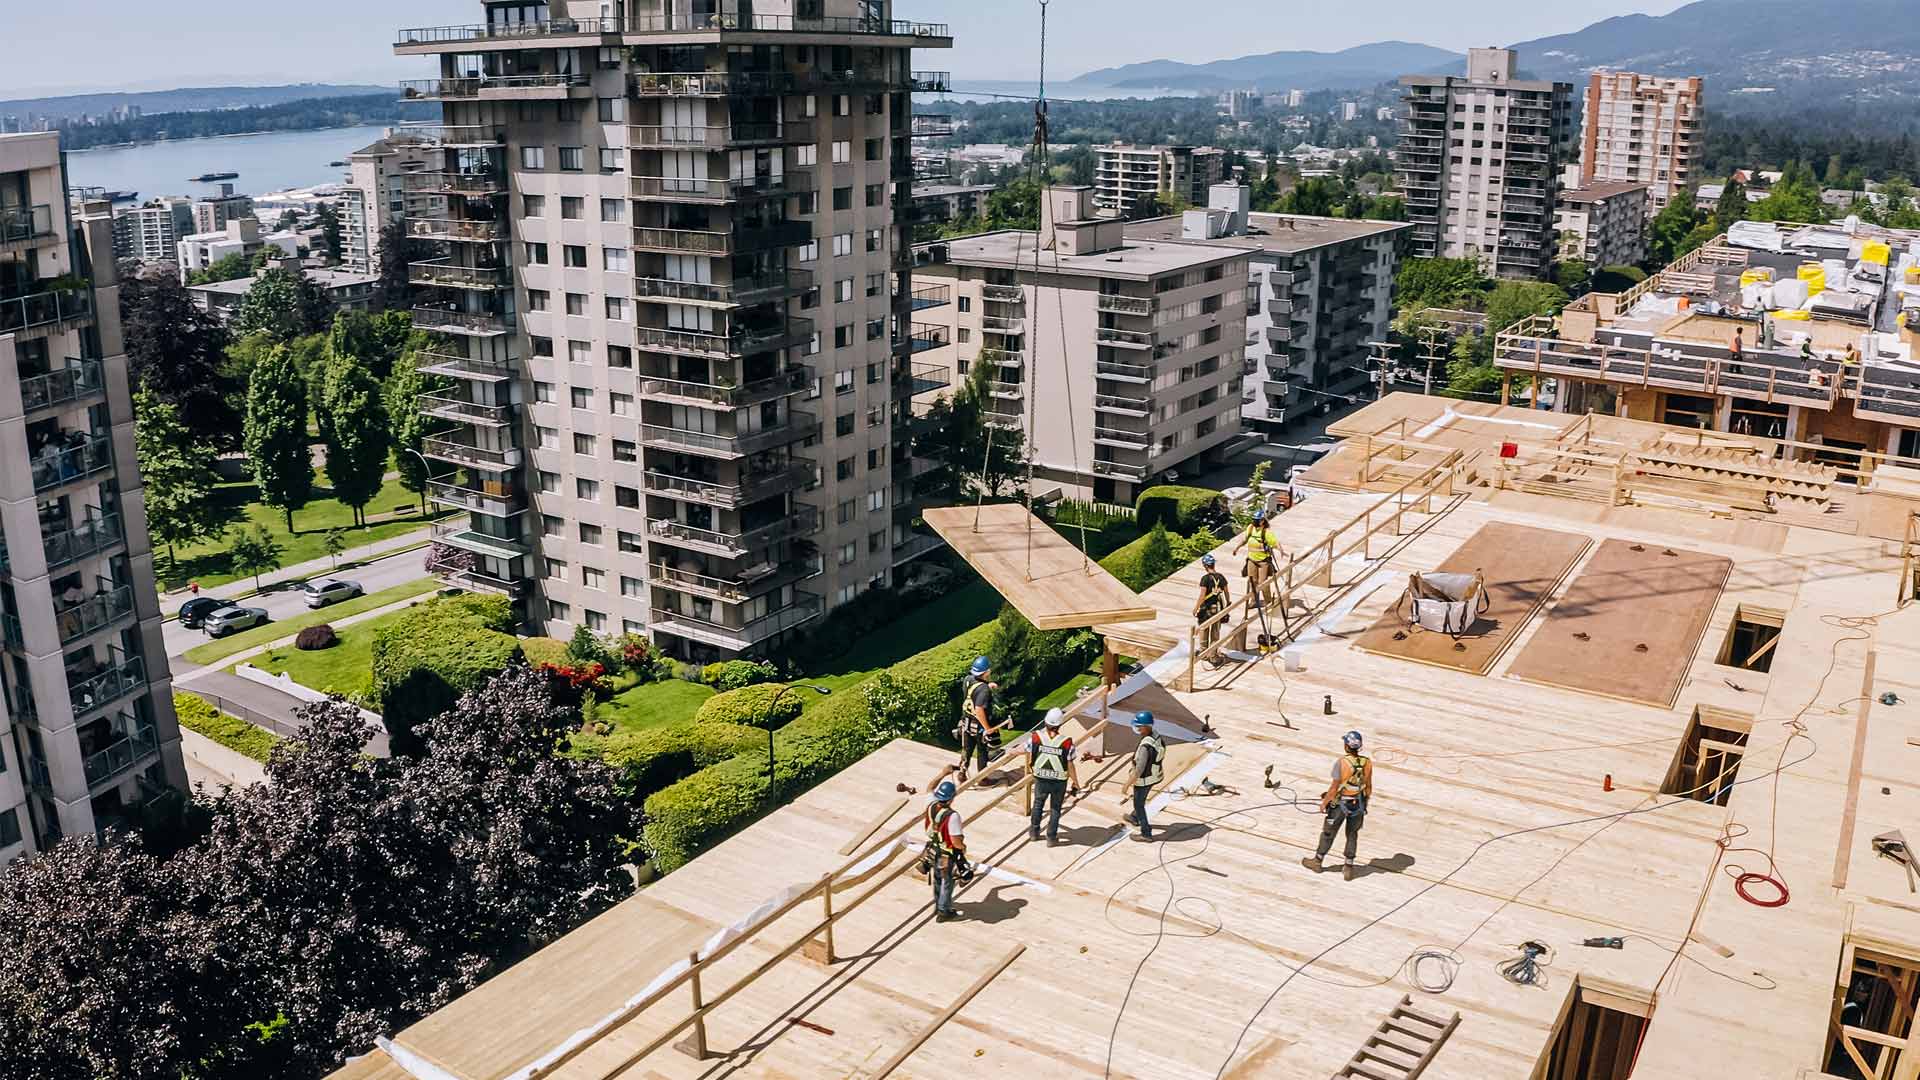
1345	803
1149	765
1050	760
1263	551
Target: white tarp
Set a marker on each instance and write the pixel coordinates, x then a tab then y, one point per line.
1754	234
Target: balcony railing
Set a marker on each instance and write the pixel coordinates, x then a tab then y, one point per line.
449	135
83	378
1125	339
1129	406
454	183
477	457
461	535
462	367
454	276
1003	294
711	83
496	500
804	608
721	189
741	292
800	521
927	378
926	337
742	341
1138	440
931	296
52	467
797	427
995	324
454	407
113	684
1126	305
791	381
45	309
751	488
504	31
460	229
117	757
454	321
94	534
931	82
1129	372
696	241
83	617
733	590
931	125
19	224
717	136
477	579
476	86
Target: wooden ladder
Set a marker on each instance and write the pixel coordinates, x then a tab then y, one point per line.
1403	1045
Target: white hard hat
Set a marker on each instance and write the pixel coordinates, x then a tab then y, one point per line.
1055	718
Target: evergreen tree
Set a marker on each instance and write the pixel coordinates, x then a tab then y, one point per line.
356	433
1732	206
176	470
1667	233
328	219
276	433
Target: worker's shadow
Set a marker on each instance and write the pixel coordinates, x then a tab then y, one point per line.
993	908
1085	835
1395	864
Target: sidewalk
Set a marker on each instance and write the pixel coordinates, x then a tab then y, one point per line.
243	587
186	669
257	704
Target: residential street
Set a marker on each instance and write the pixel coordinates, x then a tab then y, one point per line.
283	600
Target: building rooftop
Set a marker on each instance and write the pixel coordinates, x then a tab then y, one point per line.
1140	261
325	278
1600	191
936	190
1282	234
1537	795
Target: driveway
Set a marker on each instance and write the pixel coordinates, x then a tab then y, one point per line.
285	600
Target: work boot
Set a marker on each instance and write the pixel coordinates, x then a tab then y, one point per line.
945	916
1347	871
1033	838
1312	862
1053	841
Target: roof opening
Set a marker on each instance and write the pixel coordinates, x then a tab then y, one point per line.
1708	760
1873	1008
1598	1034
1751	639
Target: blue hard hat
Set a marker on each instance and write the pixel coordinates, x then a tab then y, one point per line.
1259	516
1206	560
1143	719
1352	740
945	792
982	666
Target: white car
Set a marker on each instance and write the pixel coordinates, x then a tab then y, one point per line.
229	619
323	591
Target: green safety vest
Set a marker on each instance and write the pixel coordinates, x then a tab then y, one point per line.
1154	771
1050	755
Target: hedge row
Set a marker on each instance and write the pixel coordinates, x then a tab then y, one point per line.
1182	509
760	706
650	759
434	652
197	714
735	674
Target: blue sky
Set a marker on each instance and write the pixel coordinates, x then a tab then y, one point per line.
85	45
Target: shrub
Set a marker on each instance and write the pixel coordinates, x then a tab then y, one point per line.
650	759
544	651
197	714
760	706
734	674
586	649
316	637
1182	509
434	652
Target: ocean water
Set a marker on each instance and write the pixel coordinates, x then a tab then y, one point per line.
271	162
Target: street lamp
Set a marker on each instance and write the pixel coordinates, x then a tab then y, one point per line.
821	690
428	473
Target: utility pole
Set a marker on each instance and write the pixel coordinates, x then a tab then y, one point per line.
1430	339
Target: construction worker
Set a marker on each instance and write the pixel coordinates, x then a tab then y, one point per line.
1345	803
1263	548
1214	599
1050	761
1149	759
977	729
946	842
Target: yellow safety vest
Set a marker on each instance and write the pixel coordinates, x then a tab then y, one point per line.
1355	784
1261	544
1050	755
1154	771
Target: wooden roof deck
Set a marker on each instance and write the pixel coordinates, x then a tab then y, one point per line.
1462	758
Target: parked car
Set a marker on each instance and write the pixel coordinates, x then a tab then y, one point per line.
323	591
229	619
196	609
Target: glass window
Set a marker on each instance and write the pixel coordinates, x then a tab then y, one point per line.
615	259
543	392
632	586
593	578
626	497
596	620
631	543
582	396
583	443
536	254
533	157
572	207
613	110
576	303
617	308
579	352
586	489
626	451
610	159
574	255
613	209
572	159
590	534
621	404
549	482
552	526
537	299
534	205
619	356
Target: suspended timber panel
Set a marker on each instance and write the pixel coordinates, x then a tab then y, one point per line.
1037	570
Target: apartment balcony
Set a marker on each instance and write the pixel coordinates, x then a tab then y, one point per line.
450	136
1123	405
930	296
462	367
98	689
726	396
996	324
741	341
553	34
718	136
500	500
479	184
1131	440
554	87
718	84
926	337
928	167
48	312
24	225
1122	469
458	534
81	459
927	379
753	487
1279	337
1138	373
1280	308
80	380
718	190
800	521
484	458
83	618
136	741
1124	339
1003	294
1116	304
460	410
475	579
743	239
805	608
931	82
458	230
915	546
741	292
738	589
798	427
96	533
1005	391
450	275
448	320
931	125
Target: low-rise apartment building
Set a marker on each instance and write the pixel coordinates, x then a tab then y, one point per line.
1123	175
152	232
211	213
1803	334
950	202
1147	380
345	291
241	236
1603	224
87	729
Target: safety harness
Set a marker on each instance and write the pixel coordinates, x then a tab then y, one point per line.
1352	796
1261	543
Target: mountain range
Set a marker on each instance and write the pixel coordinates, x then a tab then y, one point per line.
1750	50
183	99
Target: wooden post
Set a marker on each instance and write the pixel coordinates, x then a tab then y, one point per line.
820	949
695	1044
1109	664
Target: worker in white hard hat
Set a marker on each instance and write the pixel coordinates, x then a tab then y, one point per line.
1050	761
1148	767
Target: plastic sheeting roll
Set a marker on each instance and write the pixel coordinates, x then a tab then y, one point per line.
1875	252
1814	276
1757	275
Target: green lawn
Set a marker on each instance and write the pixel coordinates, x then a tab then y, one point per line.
656	704
197	714
393	512
918	630
343	669
219	648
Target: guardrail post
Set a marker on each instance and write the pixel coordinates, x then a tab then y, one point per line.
820	949
695	1044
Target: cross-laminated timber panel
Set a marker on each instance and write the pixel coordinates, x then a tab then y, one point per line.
1048	580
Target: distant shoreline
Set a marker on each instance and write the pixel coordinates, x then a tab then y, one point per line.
228	135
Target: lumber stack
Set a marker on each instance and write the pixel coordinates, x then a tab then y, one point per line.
1739	471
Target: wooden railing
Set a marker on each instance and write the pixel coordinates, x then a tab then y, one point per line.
1910	561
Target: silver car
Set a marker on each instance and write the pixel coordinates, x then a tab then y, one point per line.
229	619
323	591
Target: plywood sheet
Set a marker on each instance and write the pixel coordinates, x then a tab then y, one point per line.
1037	570
1522	565
1630	595
374	1066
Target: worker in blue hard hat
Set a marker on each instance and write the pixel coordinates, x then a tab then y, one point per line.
1345	802
1263	554
977	731
946	843
1149	760
1214	598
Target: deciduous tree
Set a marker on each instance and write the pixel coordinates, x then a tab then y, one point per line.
356	433
282	304
276	433
328	219
255	552
408	428
177	351
176	470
